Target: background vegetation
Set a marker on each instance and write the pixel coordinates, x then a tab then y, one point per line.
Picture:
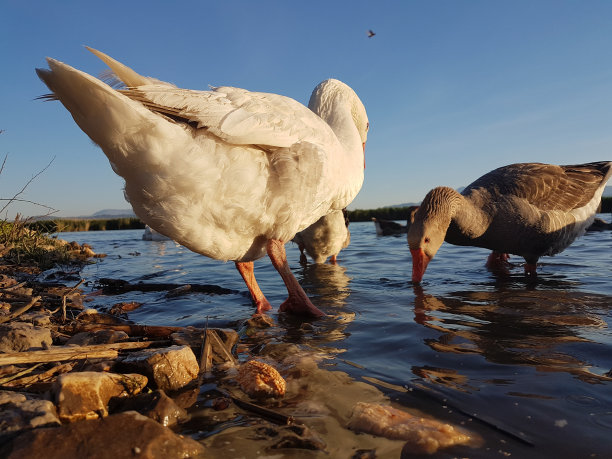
358	215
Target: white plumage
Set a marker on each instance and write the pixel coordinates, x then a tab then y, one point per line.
224	172
325	238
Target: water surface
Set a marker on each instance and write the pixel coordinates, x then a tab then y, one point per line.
525	364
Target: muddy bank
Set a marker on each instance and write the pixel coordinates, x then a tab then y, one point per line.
91	383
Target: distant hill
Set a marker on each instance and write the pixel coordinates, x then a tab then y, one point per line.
113	213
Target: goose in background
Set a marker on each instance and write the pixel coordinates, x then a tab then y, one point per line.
325	238
528	209
228	173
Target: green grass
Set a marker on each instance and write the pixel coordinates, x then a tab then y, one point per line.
20	244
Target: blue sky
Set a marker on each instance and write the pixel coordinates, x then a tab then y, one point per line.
453	89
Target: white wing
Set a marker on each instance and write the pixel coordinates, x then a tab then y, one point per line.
238	116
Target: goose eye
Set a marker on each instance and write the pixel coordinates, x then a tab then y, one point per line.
426	240
367	127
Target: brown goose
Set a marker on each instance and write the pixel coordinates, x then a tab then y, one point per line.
528	209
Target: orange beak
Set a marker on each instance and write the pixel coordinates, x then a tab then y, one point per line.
364	155
419	264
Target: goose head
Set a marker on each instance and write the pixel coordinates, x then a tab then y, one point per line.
337	104
427	232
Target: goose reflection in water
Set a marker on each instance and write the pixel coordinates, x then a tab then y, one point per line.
512	327
329	285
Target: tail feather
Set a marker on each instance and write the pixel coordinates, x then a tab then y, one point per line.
128	76
109	118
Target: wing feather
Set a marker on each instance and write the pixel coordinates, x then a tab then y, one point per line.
237	116
546	186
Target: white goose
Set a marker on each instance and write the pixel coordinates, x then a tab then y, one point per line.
228	173
528	209
325	238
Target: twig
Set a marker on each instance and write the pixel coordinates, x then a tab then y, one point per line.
19	374
38	378
14	198
64	353
12	287
19	310
150	331
267	413
65	296
206	356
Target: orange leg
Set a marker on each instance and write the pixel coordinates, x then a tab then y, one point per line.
530	270
303	259
297	302
246	270
333	259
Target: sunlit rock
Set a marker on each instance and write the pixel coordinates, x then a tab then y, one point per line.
258	379
169	368
85	395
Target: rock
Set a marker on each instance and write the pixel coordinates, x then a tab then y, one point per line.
156	405
85	395
19	413
98	337
296	436
258	379
120	435
7	396
422	435
37	318
170	368
22	336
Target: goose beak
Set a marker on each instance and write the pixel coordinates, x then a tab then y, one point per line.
363	154
419	264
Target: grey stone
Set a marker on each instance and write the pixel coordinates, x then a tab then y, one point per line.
23	336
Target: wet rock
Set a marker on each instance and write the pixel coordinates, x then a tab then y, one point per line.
258	379
296	436
23	336
156	405
423	436
19	413
92	316
98	337
170	368
364	454
122	435
85	395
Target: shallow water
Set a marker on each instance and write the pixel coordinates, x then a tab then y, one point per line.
524	364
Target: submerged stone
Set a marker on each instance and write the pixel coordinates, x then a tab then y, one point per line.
421	434
156	405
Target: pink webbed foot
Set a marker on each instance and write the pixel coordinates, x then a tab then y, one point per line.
246	270
530	270
498	263
297	302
